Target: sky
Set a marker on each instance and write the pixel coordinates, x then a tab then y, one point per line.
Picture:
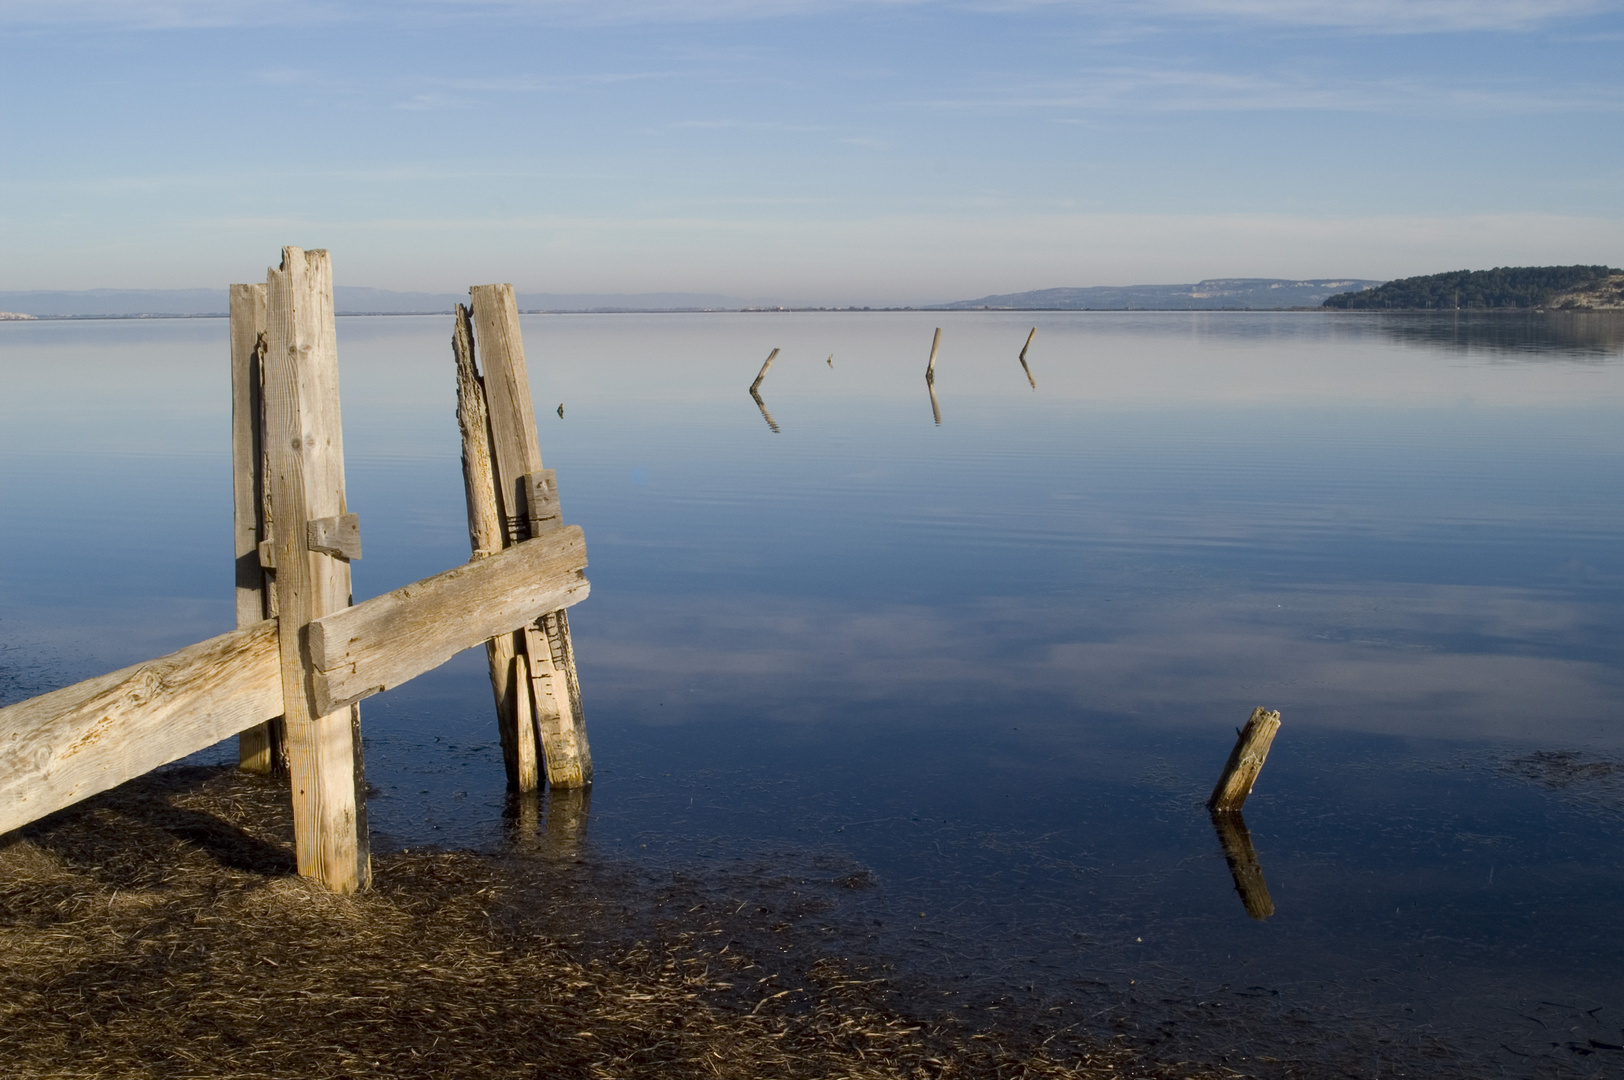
811	151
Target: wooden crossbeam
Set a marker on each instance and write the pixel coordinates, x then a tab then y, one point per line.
72	743
379	644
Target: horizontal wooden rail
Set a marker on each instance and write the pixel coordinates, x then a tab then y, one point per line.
70	744
383	642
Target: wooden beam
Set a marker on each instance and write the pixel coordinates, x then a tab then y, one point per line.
380	643
516	456
339	536
305	455
263	748
485	532
1245	761
67	745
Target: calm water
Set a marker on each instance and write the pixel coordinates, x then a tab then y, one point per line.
996	661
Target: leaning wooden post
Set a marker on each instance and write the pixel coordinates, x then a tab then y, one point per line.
485	537
262	748
762	374
305	470
1245	761
1022	357
930	368
527	499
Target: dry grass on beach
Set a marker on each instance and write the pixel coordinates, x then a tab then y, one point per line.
157	931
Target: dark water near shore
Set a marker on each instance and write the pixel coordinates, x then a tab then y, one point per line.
996	662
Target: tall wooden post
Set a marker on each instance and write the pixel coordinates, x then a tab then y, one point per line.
262	748
305	472
527	500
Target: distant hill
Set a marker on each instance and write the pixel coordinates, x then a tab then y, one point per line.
347	299
1502	287
1211	294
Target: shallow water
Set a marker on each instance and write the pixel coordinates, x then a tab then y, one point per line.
996	661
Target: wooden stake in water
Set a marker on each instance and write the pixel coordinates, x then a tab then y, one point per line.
1024	368
930	368
1245	761
763	373
304	446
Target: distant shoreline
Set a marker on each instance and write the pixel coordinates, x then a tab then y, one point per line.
157	316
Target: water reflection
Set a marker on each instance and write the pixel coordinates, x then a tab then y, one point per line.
765	415
1022	357
935	406
550	824
1526	335
1243	864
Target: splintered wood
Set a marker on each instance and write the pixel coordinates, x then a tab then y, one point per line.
1245	761
538	700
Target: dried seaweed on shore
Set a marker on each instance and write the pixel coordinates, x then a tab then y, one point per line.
158	931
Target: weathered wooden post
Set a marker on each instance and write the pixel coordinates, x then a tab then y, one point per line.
527	505
762	374
930	368
1245	761
1022	357
262	748
304	451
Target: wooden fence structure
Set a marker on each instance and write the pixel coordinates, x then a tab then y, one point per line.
289	678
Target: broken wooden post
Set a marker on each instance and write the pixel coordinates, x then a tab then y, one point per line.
1243	864
486	537
1245	761
930	368
762	374
305	457
262	748
527	501
1024	368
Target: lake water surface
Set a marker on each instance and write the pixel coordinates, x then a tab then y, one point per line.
996	662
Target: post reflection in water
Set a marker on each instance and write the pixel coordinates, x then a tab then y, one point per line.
551	824
935	407
1243	864
765	415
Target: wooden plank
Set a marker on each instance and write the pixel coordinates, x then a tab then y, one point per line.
1245	761
1243	865
305	458
516	455
72	743
541	495
380	643
485	533
515	450
263	748
338	536
567	756
529	776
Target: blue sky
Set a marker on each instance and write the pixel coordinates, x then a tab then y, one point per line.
872	151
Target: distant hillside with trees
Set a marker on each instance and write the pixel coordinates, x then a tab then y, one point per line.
1502	287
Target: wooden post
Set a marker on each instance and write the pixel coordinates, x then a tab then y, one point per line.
1024	368
305	456
1245	761
528	505
262	748
762	374
930	368
1243	864
486	537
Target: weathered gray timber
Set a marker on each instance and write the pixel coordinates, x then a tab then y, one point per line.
263	748
338	536
1022	357
486	537
380	643
516	456
1245	761
305	457
68	745
1243	864
762	374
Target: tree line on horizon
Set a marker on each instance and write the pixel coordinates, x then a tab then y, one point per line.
1502	287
